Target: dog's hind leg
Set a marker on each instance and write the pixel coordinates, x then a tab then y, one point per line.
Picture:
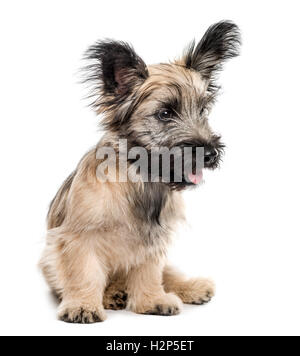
190	291
115	295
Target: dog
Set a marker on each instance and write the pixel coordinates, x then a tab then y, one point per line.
107	240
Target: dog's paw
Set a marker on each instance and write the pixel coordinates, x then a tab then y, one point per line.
167	305
197	291
115	301
83	314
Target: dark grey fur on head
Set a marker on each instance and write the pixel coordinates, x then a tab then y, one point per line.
220	42
114	71
130	95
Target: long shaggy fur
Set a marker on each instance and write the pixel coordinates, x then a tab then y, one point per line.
107	242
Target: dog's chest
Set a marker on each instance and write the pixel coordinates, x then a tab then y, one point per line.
156	210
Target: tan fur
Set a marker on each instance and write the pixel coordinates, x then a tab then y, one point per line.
107	242
190	291
99	238
100	253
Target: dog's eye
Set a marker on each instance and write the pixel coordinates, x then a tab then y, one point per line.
203	111
165	114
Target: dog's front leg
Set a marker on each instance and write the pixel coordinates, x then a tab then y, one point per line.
83	280
146	293
190	291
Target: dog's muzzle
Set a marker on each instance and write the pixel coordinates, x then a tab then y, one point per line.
210	157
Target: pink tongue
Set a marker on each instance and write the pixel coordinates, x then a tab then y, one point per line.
196	178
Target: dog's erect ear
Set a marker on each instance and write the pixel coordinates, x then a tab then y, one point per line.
116	69
220	42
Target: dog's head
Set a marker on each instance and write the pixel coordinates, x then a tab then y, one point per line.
163	105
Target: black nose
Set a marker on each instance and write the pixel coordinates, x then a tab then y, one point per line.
210	156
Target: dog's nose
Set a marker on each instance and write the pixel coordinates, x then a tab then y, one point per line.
210	156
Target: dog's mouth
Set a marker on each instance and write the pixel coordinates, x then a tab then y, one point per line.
193	169
196	178
184	167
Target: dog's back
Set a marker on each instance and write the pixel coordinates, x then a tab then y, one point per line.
57	210
108	238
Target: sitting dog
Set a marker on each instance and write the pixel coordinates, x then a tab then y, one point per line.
107	238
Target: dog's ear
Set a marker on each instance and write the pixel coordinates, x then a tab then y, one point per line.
220	42
115	69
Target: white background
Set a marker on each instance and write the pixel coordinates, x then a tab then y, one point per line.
243	223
